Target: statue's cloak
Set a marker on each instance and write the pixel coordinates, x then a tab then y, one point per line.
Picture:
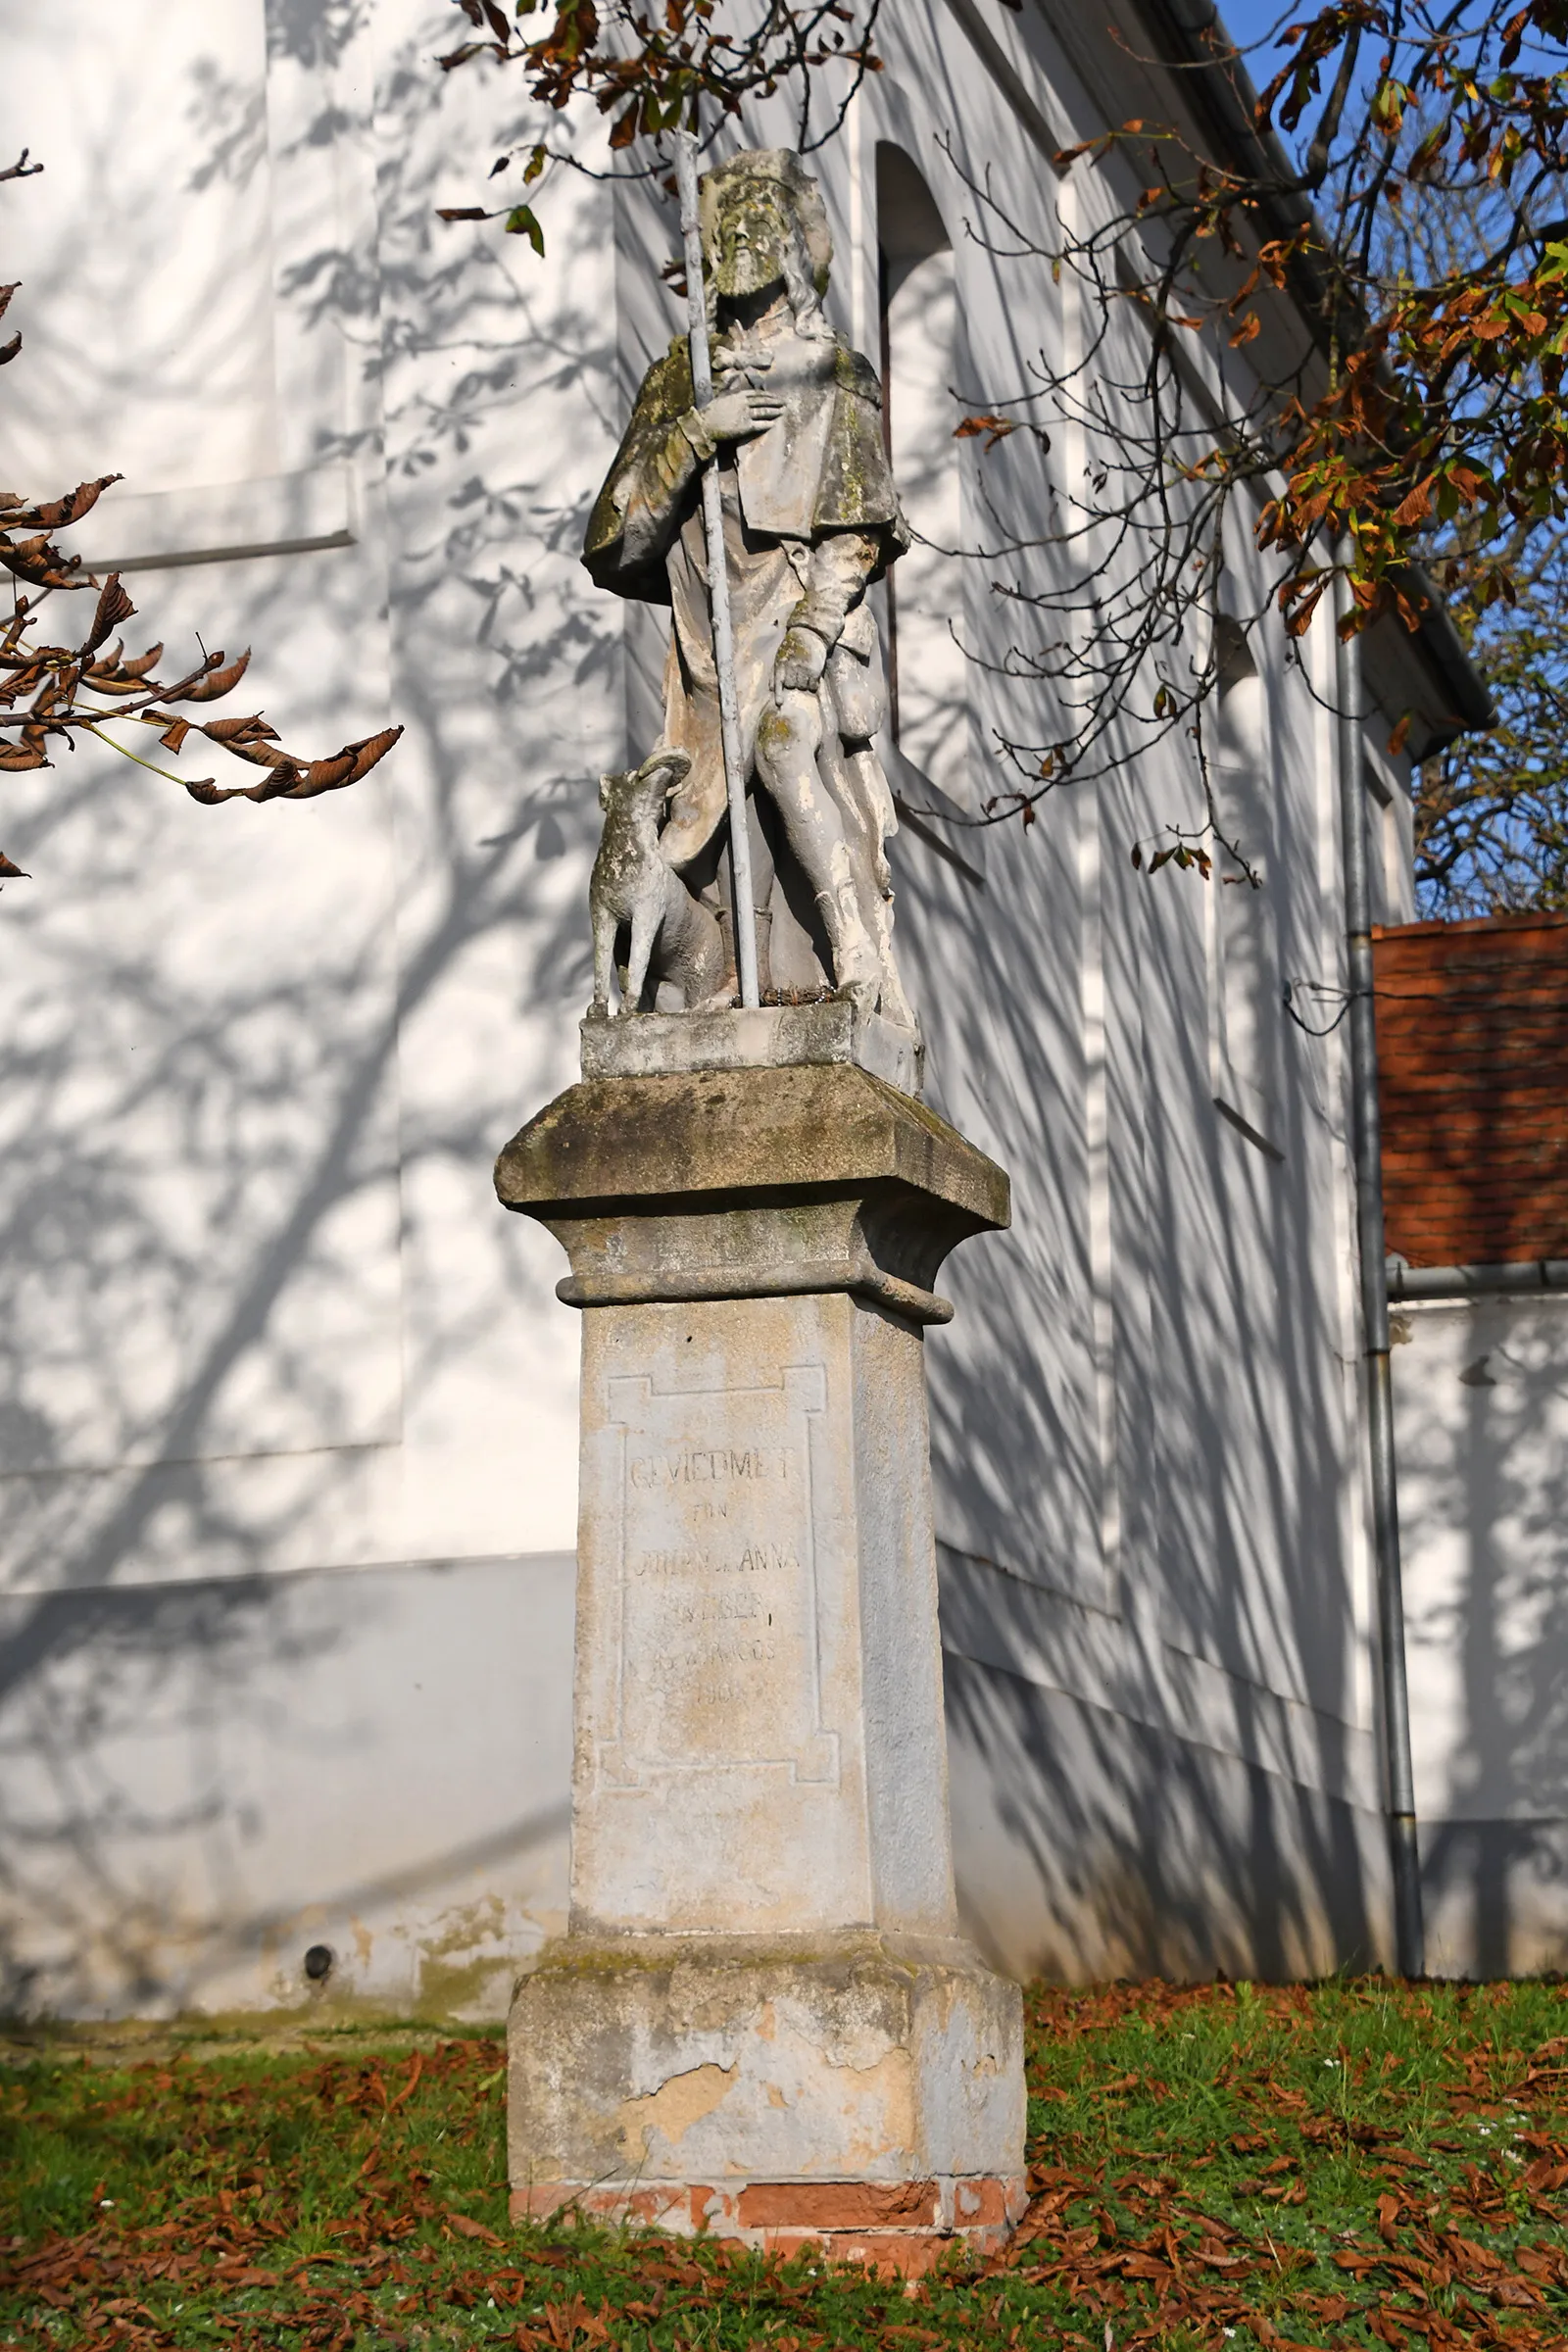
823	467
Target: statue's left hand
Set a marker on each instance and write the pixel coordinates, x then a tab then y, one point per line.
800	660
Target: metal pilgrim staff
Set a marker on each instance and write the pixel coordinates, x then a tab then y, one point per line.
740	849
751	494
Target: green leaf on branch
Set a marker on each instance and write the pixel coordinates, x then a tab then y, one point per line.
523	221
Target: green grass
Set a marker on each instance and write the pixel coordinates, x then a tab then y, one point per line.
1351	2164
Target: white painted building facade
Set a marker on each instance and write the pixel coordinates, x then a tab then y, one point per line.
1473	1049
287	1404
1481	1391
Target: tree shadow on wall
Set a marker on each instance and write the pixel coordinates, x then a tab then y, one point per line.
222	1127
1496	1486
1149	1614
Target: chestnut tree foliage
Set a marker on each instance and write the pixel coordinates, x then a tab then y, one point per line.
1343	314
1491	809
651	68
52	694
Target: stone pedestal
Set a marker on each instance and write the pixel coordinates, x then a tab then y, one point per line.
762	2020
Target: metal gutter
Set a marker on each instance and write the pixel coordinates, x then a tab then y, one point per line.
1410	1939
1444	647
1521	1278
1228	96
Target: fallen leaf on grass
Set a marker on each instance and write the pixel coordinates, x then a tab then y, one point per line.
1469	2256
1383	2327
1269	2335
564	2325
460	2223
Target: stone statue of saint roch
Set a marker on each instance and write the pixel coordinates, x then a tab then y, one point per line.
812	519
755	1203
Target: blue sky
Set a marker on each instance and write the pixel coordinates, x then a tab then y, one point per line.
1248	21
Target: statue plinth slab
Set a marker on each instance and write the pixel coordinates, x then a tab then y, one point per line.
760	1037
762	2021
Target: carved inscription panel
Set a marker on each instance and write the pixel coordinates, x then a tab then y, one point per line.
718	1663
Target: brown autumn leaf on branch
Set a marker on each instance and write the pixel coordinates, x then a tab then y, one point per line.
653	70
996	429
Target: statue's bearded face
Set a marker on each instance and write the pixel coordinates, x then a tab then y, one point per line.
750	239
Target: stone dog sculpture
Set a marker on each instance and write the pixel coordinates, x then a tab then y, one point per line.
633	889
812	519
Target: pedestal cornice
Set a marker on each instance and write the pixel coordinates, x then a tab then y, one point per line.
747	1183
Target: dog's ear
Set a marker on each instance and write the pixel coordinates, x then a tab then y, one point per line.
667	762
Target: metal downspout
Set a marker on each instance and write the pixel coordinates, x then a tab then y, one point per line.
1409	1939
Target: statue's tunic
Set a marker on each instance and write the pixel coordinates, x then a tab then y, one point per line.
811	517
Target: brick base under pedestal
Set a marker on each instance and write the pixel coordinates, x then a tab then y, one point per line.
862	2094
899	2228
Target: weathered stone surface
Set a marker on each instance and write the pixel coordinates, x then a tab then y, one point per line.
763	1037
760	1745
972	2213
751	1183
849	2083
762	1985
805	519
739	1131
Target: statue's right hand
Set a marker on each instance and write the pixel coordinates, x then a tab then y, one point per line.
736	415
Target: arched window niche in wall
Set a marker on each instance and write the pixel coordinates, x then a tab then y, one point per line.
927	674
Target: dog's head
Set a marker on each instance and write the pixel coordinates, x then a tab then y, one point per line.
647	787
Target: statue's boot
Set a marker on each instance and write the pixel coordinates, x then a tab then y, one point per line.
894	1003
856	965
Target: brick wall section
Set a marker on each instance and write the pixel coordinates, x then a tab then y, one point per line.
1473	1058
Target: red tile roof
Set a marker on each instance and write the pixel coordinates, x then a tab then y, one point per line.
1473	1061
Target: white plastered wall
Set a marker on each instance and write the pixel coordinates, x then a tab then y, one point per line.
1155	1579
288	1411
1481	1398
291	1408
